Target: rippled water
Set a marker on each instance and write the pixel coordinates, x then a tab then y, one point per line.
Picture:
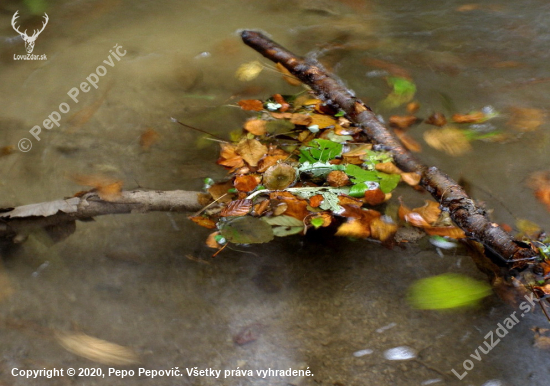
141	281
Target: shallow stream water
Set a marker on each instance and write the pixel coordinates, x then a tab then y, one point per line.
148	282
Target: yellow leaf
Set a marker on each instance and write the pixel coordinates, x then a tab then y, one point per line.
96	350
249	71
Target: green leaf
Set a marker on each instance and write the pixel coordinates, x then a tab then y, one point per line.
401	86
359	174
340	113
317	222
286	231
320	150
319	169
246	230
339	138
283	220
388	182
447	291
358	190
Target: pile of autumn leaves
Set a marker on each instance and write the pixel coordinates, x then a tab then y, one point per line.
299	164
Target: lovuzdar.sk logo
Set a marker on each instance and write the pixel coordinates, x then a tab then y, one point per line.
29	40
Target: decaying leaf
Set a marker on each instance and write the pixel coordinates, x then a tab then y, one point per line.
296	207
219	191
251	150
251	105
211	241
279	176
229	157
315	201
246	183
237	208
280	100
474	117
338	178
526	119
449	139
353	228
148	138
301	119
322	121
44	208
97	350
249	71
246	230
437	119
381	229
374	196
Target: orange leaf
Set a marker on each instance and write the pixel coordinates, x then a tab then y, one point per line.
108	189
388	167
280	100
382	230
408	141
526	119
416	219
430	211
251	105
237	208
281	115
251	150
437	119
296	207
374	196
338	178
261	207
353	228
287	76
203	222
452	231
412	107
246	183
412	178
148	138
468	118
543	195
219	191
402	121
323	121
316	200
270	160
301	119
255	126
211	241
348	200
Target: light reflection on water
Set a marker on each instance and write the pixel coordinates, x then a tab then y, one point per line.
126	279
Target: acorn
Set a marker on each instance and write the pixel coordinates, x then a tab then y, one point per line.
279	177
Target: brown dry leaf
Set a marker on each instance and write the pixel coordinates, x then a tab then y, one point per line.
6	150
260	208
543	195
256	126
296	207
97	350
526	119
211	241
338	178
229	157
107	188
353	228
388	167
280	100
219	191
452	232
429	211
416	219
374	196
408	141
281	115
246	183
437	119
323	121
411	178
305	136
301	119
402	121
310	102
359	150
279	176
203	222
412	107
266	162
448	139
279	207
382	230
475	117
148	138
541	341
316	201
287	76
237	208
251	150
251	105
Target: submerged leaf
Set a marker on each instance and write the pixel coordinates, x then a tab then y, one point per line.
246	230
251	105
249	71
449	139
97	350
447	291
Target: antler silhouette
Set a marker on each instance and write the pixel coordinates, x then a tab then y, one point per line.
29	40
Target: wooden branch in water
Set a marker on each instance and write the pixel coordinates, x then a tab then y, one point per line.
54	213
452	198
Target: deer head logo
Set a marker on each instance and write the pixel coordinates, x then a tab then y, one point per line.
29	40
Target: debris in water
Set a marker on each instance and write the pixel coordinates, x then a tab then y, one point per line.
400	353
387	327
361	353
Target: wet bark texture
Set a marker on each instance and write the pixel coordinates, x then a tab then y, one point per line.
499	245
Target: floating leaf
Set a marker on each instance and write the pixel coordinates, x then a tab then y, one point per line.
97	350
359	174
296	207
251	105
237	208
474	117
287	231
449	139
246	230
256	126
107	188
246	183
374	196
409	142
283	220
526	119
353	228
280	100
251	150
317	222
338	178
249	71
148	138
437	119
320	150
388	182
402	122
203	222
447	291
279	176
316	201
403	92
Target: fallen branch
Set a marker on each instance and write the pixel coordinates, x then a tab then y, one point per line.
451	196
55	213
